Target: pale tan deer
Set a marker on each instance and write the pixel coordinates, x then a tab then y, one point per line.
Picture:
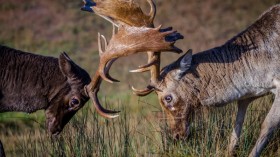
243	69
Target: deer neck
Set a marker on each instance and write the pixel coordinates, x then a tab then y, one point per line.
27	84
231	72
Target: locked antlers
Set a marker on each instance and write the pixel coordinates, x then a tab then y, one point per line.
135	34
131	40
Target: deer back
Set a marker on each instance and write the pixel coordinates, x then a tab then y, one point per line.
30	82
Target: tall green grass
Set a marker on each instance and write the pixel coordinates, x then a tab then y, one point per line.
141	134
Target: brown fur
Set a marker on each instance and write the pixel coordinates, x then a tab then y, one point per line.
30	82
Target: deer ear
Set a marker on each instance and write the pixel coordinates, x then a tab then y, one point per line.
67	66
185	63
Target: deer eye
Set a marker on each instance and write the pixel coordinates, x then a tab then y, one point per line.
74	102
168	98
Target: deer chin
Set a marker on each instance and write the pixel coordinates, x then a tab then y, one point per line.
52	126
181	135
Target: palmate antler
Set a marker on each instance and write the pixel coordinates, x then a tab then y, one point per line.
127	12
128	40
136	34
121	12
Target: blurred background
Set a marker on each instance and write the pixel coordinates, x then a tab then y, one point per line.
49	27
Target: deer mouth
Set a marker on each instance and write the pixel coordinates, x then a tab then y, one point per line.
55	134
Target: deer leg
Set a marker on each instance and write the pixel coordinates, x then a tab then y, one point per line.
270	123
241	111
2	152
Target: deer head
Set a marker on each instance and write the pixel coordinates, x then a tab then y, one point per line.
68	97
177	94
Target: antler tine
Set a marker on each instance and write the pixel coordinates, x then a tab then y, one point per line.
105	42
152	60
153	11
155	74
92	91
99	44
105	66
114	31
143	92
143	68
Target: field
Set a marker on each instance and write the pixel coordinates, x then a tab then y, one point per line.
51	27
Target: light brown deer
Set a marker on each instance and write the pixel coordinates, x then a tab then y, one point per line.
243	69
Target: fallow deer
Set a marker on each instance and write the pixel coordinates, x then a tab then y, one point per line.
30	82
244	68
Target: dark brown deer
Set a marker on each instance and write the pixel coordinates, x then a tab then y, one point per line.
243	69
30	82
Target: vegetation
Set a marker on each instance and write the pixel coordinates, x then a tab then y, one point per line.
50	27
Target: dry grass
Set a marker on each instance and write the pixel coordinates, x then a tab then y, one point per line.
50	27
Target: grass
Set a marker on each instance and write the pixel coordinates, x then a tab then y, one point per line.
50	27
141	134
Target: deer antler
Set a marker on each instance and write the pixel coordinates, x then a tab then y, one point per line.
131	40
92	90
127	41
121	12
136	34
